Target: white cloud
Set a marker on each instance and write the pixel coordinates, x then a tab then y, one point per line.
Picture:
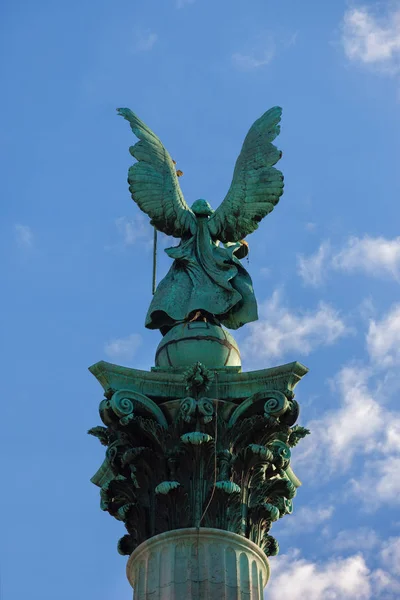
379	483
135	230
383	339
372	40
360	420
307	518
312	268
310	226
366	309
338	578
265	272
391	442
280	331
23	235
390	554
354	539
378	257
356	426
248	62
292	39
183	3
375	256
297	578
363	423
262	50
145	40
123	348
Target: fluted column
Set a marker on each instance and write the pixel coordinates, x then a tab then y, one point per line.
198	564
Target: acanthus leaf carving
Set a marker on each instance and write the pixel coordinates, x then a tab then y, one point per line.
296	434
198	466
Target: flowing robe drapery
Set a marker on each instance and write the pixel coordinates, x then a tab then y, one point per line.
205	277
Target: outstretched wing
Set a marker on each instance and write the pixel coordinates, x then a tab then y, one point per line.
256	185
153	182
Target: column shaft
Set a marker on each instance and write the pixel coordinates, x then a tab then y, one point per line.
198	564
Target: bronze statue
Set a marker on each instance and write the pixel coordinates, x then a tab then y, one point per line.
207	280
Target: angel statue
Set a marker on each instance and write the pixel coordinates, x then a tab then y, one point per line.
206	281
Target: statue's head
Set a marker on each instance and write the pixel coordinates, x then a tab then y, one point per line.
201	208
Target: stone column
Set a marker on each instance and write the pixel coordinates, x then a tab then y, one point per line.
200	564
197	468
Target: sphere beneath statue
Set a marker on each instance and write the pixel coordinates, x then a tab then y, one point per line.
198	341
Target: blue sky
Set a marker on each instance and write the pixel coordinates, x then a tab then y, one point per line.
76	263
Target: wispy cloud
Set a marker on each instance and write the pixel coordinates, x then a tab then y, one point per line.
377	257
372	38
265	272
364	423
262	51
383	339
123	348
183	3
248	62
280	331
354	539
354	427
292	39
145	40
135	230
308	518
390	554
310	226
23	235
379	482
348	578
312	268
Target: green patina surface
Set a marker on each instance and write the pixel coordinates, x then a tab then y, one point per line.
197	447
198	341
195	442
207	277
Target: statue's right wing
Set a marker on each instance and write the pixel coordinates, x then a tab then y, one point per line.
256	185
153	182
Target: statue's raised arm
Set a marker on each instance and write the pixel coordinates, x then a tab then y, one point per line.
256	185
153	182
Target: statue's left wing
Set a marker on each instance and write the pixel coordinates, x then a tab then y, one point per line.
256	185
154	184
